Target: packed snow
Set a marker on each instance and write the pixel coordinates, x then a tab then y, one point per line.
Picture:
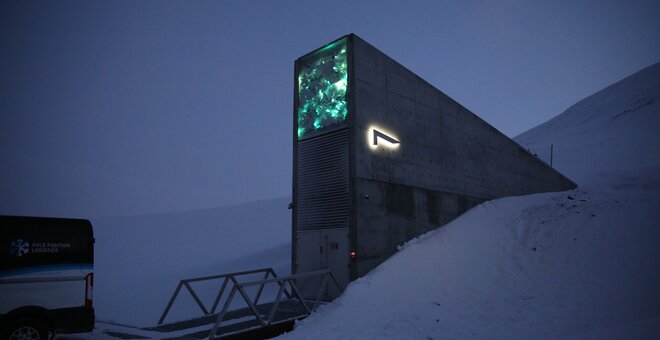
578	264
540	266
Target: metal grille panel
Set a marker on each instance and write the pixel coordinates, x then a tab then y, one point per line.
322	197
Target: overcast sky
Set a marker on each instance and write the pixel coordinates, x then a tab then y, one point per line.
129	107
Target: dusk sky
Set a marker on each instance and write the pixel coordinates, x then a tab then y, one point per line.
130	107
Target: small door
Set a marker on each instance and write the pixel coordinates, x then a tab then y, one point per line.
338	260
323	249
308	259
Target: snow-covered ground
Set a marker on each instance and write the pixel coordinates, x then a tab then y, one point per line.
578	264
539	266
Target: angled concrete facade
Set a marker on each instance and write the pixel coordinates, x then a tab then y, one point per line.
433	160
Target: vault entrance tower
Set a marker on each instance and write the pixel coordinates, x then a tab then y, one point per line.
381	156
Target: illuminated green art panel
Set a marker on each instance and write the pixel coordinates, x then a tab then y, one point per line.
322	82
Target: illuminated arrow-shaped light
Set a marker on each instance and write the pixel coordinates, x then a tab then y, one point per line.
378	134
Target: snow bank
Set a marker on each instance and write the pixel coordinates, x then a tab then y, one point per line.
540	266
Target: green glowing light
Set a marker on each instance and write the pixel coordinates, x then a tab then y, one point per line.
322	86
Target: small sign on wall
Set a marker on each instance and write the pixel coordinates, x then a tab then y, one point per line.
380	137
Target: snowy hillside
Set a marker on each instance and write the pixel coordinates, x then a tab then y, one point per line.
613	130
139	260
578	264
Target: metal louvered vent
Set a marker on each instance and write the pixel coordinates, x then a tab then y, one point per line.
322	199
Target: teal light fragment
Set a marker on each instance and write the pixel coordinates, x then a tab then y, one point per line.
322	87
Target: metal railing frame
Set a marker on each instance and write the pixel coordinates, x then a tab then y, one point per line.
282	282
240	287
227	278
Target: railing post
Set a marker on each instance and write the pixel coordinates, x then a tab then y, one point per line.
217	298
286	292
261	288
199	302
334	279
252	306
322	289
297	293
276	304
222	313
169	304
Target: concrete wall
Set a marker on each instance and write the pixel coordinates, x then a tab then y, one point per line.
448	160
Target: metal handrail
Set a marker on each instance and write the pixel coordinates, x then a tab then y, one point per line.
226	278
326	274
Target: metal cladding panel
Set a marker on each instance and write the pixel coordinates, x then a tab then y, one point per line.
322	182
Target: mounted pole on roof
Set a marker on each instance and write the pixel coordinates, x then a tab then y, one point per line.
551	152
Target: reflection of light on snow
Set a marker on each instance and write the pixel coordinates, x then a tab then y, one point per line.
381	141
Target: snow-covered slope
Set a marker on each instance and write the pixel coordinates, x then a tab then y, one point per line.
613	130
578	264
140	259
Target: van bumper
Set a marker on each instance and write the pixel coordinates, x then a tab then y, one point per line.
72	320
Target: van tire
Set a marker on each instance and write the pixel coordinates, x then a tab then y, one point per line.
31	328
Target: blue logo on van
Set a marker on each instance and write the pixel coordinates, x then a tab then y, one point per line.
19	247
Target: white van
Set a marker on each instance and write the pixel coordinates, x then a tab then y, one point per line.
46	277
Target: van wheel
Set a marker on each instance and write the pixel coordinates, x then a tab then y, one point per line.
26	329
